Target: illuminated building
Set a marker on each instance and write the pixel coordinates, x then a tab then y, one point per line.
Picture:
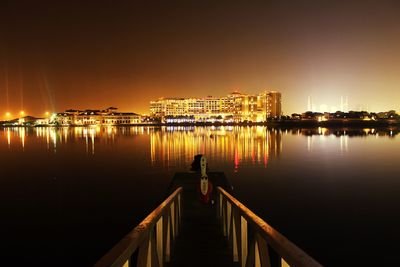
108	116
235	107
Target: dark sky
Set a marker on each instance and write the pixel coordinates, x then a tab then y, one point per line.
56	55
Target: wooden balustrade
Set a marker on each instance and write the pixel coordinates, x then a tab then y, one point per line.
152	239
251	237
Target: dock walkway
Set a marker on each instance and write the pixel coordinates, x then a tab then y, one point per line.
201	241
183	231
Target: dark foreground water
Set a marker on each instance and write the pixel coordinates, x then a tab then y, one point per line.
69	194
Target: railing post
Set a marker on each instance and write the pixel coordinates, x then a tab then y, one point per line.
248	234
152	238
160	243
218	204
153	262
251	252
284	263
144	252
176	208
263	252
178	222
167	236
257	259
236	235
172	212
243	232
180	210
228	218
224	217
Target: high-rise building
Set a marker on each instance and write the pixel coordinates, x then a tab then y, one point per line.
274	104
237	107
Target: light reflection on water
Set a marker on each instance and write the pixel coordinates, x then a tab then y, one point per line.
226	144
176	145
335	184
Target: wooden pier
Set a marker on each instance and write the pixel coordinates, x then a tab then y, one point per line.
200	238
183	231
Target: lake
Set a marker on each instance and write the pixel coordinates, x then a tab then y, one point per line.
69	194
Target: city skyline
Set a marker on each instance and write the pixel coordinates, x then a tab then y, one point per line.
313	106
131	53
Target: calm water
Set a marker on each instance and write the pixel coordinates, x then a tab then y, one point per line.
69	194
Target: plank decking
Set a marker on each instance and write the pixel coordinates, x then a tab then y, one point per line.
200	242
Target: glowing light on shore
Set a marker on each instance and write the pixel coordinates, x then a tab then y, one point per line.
7	115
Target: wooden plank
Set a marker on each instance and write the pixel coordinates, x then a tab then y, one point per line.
201	240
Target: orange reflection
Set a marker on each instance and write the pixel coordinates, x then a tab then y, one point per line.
250	145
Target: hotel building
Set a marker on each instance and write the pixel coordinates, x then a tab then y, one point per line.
235	107
109	116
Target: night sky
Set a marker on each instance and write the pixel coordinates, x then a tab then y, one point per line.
55	56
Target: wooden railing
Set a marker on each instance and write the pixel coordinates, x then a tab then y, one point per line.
253	241
150	243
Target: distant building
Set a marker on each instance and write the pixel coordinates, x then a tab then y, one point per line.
235	107
109	116
274	101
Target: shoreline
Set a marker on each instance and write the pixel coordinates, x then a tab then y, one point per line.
275	124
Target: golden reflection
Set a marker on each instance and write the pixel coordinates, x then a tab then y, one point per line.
250	145
9	137
344	145
48	138
53	138
176	146
21	133
92	135
309	143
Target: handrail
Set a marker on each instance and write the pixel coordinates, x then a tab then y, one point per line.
250	245
153	237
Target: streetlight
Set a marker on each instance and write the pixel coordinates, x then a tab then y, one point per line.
22	113
46	113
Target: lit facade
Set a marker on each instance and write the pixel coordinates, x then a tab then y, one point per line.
274	104
235	107
95	117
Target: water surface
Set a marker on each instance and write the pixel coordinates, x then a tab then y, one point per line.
69	194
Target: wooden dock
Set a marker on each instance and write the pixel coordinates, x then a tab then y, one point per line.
184	231
200	237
